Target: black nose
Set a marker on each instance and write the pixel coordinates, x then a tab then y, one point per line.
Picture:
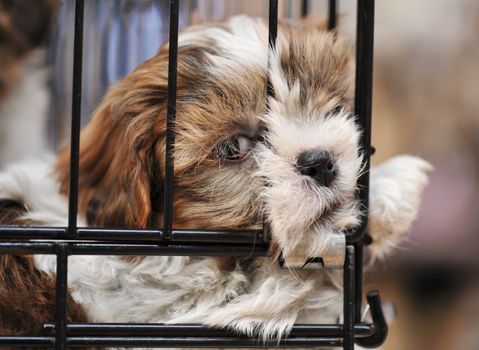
318	165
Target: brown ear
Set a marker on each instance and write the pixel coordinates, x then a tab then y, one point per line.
120	179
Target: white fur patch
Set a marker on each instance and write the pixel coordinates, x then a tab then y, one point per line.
30	183
23	114
242	44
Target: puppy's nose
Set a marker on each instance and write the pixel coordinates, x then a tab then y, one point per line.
318	165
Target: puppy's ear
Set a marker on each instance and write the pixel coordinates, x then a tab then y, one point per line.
121	157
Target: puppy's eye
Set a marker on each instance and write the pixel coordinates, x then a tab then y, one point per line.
235	148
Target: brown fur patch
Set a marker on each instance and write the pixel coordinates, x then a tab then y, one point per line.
27	296
10	211
326	78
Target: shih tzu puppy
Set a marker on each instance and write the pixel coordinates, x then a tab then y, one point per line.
241	158
24	27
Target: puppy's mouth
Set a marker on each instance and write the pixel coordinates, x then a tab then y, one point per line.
333	217
327	216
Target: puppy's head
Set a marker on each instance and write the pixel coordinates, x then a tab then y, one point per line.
241	158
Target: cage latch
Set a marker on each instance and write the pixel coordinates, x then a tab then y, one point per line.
333	257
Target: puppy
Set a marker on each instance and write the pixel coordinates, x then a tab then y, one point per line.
24	27
241	158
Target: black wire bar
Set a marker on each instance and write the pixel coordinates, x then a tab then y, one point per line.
332	14
304	8
272	35
194	330
348	298
363	110
76	118
61	296
363	103
170	118
61	289
273	23
92	248
137	235
72	240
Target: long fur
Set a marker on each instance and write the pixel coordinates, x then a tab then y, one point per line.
222	79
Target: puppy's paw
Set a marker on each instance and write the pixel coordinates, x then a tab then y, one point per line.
396	188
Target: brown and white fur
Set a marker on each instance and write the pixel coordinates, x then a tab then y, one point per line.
24	98
221	106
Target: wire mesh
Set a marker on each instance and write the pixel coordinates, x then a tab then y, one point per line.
61	334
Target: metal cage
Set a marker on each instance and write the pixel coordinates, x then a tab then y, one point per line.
72	240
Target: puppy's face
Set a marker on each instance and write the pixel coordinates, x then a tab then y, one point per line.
241	158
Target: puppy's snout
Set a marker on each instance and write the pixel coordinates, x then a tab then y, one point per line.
317	164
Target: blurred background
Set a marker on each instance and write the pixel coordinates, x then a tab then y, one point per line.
426	102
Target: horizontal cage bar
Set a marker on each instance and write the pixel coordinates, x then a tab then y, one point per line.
195	330
133	249
252	237
34	342
165	342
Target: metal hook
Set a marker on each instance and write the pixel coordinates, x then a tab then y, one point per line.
379	322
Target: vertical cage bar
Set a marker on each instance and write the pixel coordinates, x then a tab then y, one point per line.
363	93
61	296
358	280
272	35
332	14
76	117
363	109
304	8
170	119
273	23
348	298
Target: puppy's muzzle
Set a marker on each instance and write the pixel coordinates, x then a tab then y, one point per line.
317	164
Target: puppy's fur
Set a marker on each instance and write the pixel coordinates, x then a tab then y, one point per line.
24	27
236	163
